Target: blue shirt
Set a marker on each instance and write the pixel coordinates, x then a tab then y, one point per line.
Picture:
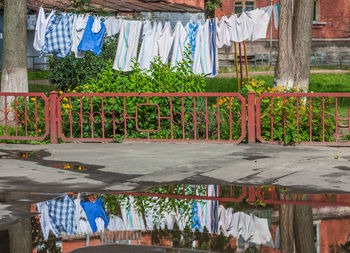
92	41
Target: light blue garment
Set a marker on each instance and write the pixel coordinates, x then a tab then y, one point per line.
92	41
58	35
212	37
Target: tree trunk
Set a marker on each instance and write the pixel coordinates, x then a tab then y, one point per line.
302	39
294	43
284	71
303	229
286	228
21	236
20	233
14	50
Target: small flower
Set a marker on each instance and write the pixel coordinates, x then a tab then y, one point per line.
22	121
330	102
214	106
312	92
68	90
60	92
86	87
7	109
248	77
65	99
77	88
39	130
74	91
24	156
228	107
17	103
33	99
18	115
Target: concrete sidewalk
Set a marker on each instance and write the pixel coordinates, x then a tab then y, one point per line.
137	166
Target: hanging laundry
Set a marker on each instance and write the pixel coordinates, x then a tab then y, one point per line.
115	223
225	221
96	26
165	42
202	63
261	235
276	9
112	25
223	28
79	24
94	210
242	27
58	35
127	45
62	215
45	222
40	29
192	31
83	226
180	43
261	19
148	50
243	226
213	47
100	224
92	41
132	219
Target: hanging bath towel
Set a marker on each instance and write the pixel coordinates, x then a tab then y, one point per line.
129	36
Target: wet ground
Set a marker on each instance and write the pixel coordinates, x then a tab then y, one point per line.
179	218
253	179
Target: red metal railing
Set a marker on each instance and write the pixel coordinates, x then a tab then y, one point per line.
249	194
99	117
24	116
304	118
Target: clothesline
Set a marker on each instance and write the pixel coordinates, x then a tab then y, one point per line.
77	34
76	216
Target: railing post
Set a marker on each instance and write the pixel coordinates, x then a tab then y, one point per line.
53	117
251	117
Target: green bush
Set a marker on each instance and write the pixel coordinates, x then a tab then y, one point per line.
69	72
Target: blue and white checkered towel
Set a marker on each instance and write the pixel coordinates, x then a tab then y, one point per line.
58	35
61	212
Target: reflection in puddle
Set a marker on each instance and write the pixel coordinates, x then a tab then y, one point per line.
201	217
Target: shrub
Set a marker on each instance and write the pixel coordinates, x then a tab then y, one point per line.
69	72
284	112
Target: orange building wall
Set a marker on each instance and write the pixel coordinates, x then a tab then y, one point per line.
196	3
334	232
68	246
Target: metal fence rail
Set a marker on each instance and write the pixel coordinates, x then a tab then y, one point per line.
292	118
152	117
304	118
24	116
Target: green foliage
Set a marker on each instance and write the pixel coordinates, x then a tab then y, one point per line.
69	72
288	126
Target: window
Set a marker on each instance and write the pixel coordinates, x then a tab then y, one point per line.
244	5
316	10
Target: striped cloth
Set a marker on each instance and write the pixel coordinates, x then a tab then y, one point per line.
127	45
133	220
58	35
62	215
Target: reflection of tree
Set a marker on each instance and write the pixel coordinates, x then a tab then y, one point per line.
342	248
296	227
49	245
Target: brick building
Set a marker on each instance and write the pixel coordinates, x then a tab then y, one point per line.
331	31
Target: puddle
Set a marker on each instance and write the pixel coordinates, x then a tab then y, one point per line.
183	218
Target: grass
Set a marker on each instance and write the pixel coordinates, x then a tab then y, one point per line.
268	68
38	75
45	88
318	83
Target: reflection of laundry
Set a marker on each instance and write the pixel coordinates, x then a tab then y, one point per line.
83	226
225	221
261	235
45	222
62	215
115	223
100	224
94	210
133	220
277	238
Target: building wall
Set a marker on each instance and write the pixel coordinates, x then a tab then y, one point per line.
333	17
